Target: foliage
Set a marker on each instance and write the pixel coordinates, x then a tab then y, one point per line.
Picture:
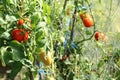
74	53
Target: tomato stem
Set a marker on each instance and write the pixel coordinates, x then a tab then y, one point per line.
73	25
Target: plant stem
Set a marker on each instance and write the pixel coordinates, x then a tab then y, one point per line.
31	75
73	25
20	5
65	3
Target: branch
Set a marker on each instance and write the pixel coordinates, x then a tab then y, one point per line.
73	25
20	5
65	3
31	75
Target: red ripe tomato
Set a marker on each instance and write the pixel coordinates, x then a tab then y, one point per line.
20	35
87	20
99	36
20	22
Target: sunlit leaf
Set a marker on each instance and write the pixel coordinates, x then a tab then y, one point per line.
10	18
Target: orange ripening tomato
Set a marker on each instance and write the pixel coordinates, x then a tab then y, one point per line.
87	20
19	35
46	59
20	22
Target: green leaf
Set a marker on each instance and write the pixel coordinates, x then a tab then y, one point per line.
70	76
88	32
2	30
16	67
1	42
35	19
118	63
18	50
5	35
10	18
7	57
2	21
101	63
31	58
26	63
2	52
46	9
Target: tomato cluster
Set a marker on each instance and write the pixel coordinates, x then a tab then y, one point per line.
20	34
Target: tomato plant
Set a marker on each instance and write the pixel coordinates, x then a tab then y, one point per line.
49	38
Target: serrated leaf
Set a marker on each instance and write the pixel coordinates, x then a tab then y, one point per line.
16	67
18	50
